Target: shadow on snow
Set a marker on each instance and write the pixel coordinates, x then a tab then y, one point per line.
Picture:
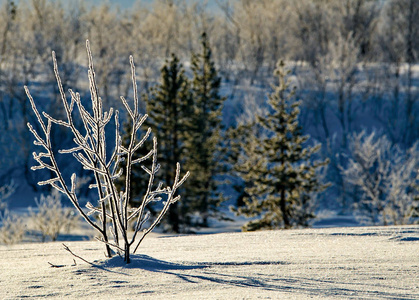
216	272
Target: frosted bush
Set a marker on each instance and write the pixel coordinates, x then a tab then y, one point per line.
12	228
51	218
111	215
385	178
5	192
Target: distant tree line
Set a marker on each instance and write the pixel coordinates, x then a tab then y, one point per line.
353	62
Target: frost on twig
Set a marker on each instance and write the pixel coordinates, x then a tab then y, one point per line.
90	150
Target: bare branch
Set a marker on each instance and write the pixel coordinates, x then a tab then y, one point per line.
141	159
90	152
75	255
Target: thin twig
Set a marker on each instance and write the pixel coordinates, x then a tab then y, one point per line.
79	257
61	266
56	266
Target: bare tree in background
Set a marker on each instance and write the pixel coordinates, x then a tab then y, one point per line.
400	49
8	16
344	59
358	19
107	30
311	29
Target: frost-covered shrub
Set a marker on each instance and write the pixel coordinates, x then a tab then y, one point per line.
92	144
51	218
5	192
12	228
384	178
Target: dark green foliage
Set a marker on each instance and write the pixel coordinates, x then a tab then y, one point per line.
203	136
276	165
185	116
169	106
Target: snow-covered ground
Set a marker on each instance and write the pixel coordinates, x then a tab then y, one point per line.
336	263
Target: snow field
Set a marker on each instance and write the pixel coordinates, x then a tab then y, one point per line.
333	263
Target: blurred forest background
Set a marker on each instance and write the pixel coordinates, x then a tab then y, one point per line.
354	64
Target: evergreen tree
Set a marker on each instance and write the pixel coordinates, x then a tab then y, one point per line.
186	118
168	106
241	142
276	166
203	136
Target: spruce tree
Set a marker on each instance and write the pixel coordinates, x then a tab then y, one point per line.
203	136
168	106
277	166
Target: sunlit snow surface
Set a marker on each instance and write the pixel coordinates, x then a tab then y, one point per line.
336	263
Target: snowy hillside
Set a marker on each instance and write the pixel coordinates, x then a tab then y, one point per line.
339	263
